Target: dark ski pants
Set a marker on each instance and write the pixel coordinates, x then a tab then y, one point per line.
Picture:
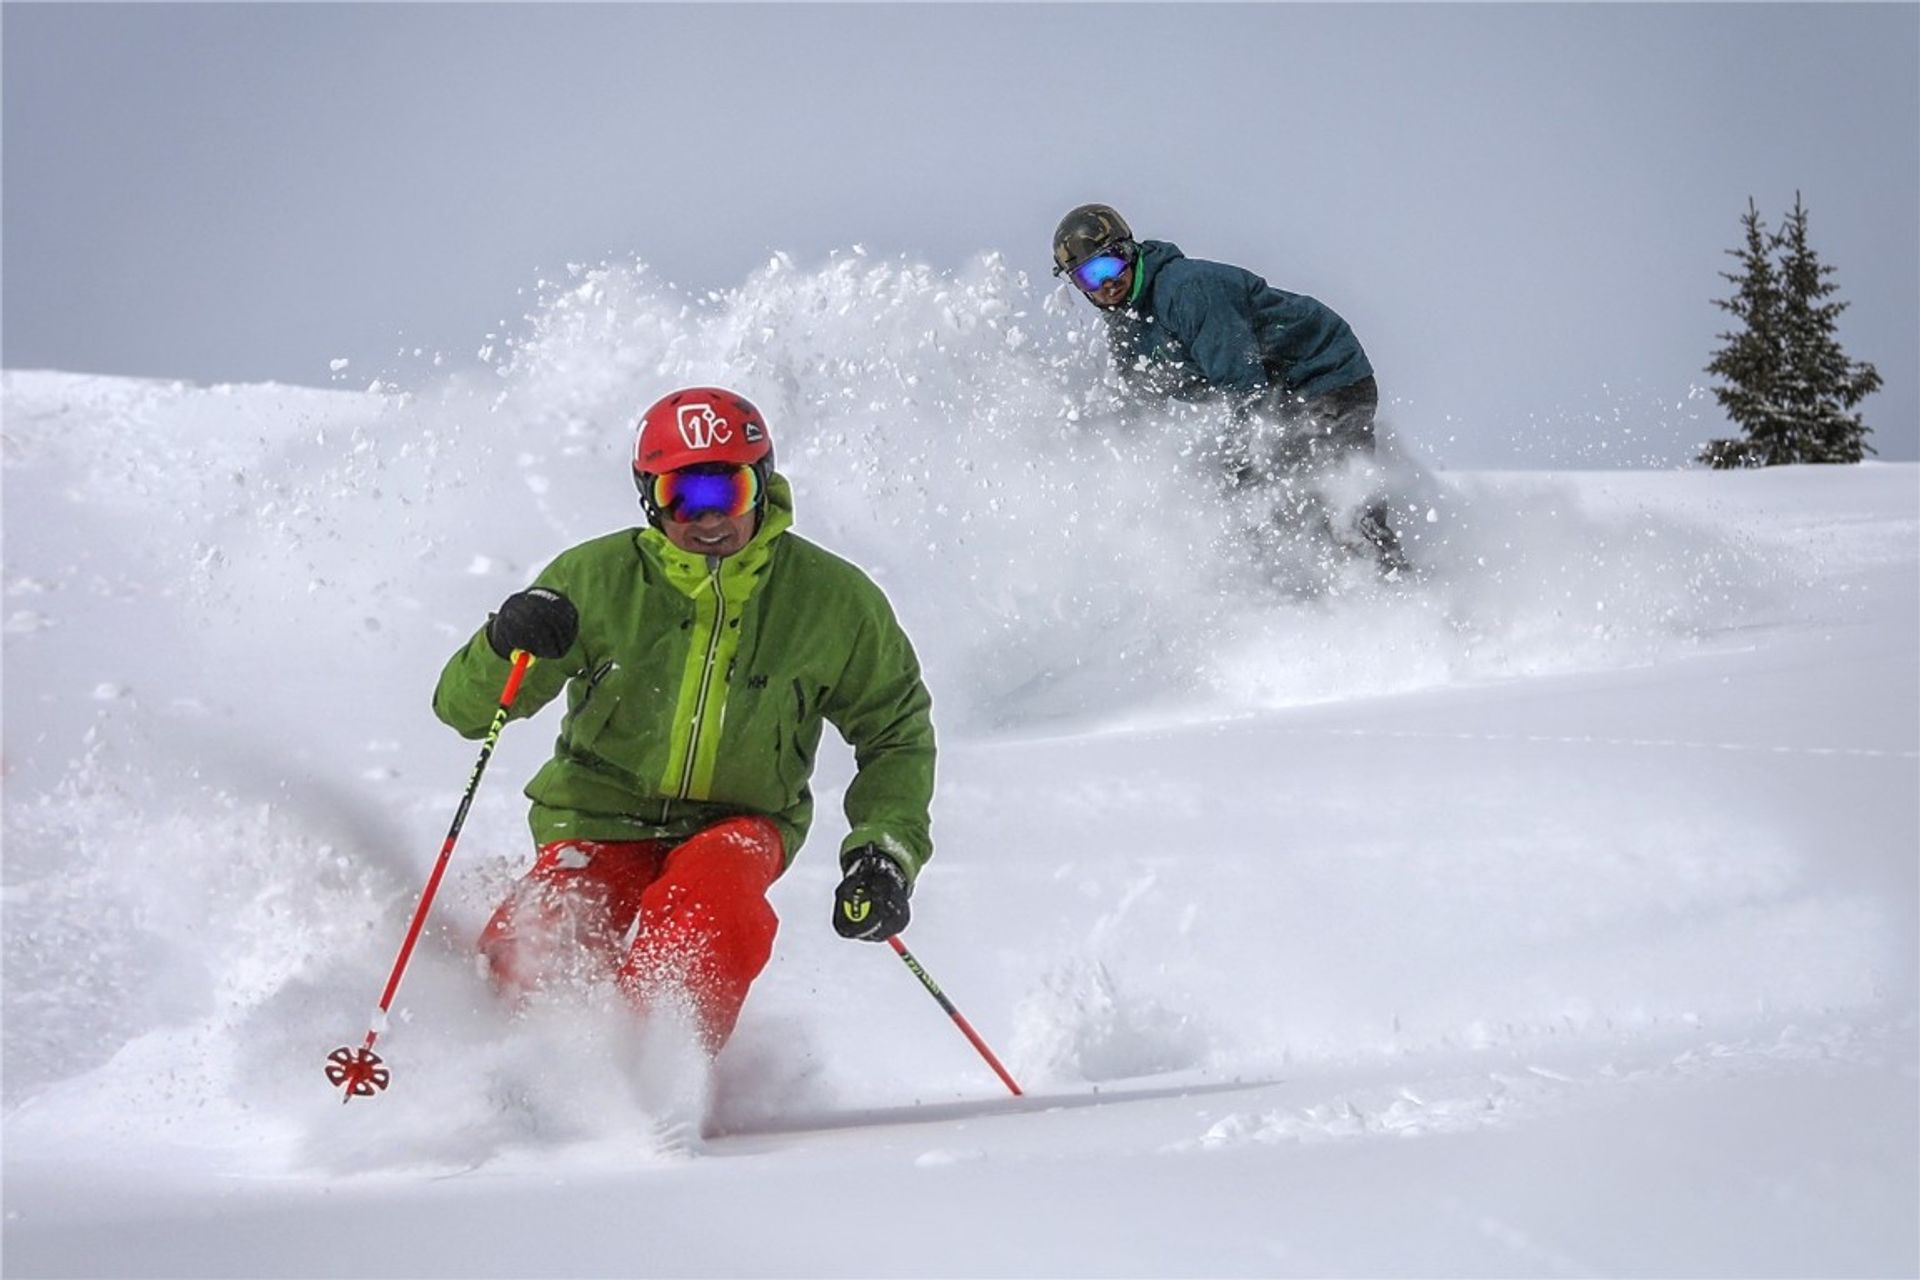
697	915
1317	433
1327	427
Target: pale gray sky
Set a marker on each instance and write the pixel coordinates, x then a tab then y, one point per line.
1521	208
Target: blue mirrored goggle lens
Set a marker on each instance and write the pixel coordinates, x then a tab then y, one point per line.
1095	272
686	494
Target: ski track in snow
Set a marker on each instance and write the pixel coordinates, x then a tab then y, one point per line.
1252	849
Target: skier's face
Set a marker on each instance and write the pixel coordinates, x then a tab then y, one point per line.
1114	292
710	533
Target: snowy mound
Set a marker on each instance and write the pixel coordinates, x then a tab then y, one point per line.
1626	765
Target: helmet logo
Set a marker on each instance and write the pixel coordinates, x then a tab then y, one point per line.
701	427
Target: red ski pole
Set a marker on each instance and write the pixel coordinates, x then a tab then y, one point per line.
360	1071
966	1028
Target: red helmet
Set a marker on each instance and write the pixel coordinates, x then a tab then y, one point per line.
699	424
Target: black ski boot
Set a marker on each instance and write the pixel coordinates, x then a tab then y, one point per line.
1373	526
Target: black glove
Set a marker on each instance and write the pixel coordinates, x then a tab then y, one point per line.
539	620
871	903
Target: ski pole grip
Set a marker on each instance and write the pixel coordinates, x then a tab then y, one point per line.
522	660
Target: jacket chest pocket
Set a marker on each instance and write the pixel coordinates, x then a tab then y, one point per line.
773	723
593	706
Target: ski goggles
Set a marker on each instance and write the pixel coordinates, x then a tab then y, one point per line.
1099	270
685	495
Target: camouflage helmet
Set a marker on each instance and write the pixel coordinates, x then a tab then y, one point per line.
1087	230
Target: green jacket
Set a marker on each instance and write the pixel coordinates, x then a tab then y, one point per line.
697	687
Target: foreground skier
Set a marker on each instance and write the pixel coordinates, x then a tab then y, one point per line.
699	656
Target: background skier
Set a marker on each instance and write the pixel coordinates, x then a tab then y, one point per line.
700	656
1300	386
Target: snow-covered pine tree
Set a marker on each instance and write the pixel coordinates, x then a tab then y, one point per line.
1819	385
1788	385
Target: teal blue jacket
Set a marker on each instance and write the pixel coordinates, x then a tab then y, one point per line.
1191	327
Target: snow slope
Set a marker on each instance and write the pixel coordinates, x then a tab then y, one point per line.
1552	914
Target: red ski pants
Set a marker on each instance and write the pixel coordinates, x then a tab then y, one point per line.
704	923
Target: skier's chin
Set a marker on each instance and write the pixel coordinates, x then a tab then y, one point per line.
710	536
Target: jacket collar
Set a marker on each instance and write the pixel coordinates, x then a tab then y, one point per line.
739	573
1154	254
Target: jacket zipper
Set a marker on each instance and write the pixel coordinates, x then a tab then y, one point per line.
706	677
